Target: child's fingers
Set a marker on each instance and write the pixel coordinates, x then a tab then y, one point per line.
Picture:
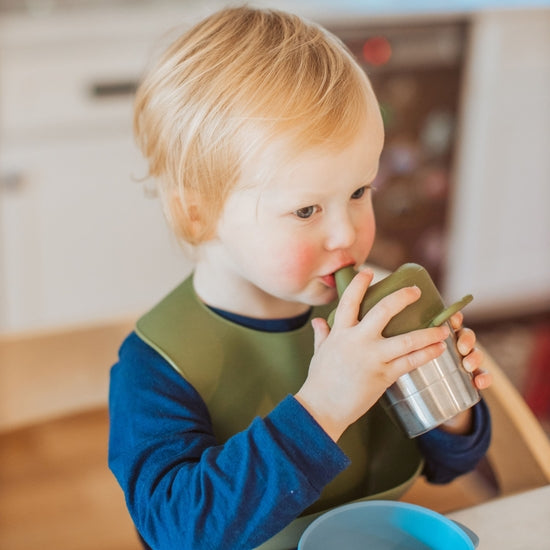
381	314
347	311
466	341
415	359
473	360
456	320
406	344
320	331
482	380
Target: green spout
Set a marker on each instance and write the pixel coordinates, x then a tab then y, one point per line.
343	278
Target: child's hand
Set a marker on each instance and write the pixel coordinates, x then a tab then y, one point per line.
353	364
473	357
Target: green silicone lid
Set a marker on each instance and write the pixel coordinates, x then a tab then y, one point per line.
428	310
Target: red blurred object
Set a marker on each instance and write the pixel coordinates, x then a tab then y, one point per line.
377	50
537	392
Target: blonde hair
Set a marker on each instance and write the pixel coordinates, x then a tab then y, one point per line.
228	87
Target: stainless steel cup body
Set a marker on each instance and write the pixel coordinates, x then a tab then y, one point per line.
431	394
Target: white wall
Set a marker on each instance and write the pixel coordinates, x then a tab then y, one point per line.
500	230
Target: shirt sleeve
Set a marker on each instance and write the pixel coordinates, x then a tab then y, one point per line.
448	456
182	488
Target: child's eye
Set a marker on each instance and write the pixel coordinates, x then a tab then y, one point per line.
359	192
306	212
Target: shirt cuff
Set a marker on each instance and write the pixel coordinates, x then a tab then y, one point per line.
450	455
458	443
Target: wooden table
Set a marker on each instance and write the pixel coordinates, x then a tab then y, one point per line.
517	522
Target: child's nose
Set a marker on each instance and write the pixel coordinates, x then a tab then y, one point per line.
340	233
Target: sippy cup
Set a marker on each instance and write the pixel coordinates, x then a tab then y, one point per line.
438	390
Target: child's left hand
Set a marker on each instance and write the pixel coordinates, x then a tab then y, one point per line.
473	357
472	360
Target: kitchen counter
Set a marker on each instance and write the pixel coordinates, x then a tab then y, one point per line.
344	11
99	18
343	6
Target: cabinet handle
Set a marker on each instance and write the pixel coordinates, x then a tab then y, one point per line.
119	88
11	182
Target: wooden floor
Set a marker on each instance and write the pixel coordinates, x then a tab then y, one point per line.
56	491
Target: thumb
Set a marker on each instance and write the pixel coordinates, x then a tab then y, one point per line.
320	331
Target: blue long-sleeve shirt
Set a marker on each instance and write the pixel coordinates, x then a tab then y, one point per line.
184	490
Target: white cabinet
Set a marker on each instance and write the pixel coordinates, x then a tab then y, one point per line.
80	240
500	235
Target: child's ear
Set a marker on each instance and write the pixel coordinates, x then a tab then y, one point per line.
190	220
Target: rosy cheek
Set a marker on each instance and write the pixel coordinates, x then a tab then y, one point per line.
366	233
297	261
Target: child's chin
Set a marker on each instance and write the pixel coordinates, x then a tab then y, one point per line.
323	298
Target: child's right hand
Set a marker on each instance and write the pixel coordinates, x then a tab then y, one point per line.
353	364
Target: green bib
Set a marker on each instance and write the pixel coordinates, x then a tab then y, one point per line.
241	373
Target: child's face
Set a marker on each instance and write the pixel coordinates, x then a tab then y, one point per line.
280	243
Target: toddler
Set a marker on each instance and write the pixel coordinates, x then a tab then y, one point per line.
237	416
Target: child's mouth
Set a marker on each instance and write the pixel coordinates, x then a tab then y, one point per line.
329	280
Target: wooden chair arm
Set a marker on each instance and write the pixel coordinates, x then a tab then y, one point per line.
519	454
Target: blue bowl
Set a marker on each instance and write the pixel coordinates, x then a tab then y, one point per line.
385	525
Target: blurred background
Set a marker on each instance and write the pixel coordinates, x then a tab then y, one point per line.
463	189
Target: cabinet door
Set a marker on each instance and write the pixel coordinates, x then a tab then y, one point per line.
79	237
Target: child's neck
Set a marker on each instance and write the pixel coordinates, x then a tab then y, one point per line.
239	296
